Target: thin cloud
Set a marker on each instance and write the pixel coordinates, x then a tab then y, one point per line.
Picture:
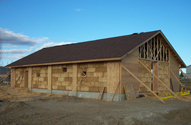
17	56
9	37
52	44
78	9
16	51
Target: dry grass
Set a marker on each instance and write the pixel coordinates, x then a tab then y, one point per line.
17	94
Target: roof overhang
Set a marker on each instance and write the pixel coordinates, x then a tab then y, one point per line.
68	62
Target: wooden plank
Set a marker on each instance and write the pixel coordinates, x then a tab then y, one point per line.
176	77
75	75
185	73
75	87
115	91
143	84
26	79
155	71
129	92
101	92
4	76
13	78
160	80
30	77
49	77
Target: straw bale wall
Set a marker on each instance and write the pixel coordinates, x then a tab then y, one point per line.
144	75
40	81
96	76
19	77
163	73
62	80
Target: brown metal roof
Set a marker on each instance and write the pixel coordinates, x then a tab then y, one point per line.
110	48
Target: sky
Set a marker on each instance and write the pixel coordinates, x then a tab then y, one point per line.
27	26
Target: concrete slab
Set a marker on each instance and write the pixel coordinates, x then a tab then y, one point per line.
94	95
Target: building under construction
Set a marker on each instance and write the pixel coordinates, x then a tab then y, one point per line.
146	61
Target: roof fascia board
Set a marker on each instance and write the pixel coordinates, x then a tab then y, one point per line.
69	62
182	66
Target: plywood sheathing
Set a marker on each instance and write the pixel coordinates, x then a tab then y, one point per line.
96	76
163	72
145	75
131	62
41	81
62	80
174	66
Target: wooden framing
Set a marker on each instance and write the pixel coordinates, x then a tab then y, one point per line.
143	84
160	80
176	77
49	77
154	49
115	90
185	73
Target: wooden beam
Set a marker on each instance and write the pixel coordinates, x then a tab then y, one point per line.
115	91
160	80
143	84
75	87
176	77
185	74
49	77
101	92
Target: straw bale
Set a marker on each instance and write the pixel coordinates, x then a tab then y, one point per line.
102	79
84	88
41	79
97	84
69	70
70	74
60	87
91	69
90	65
42	86
94	89
54	87
34	86
98	74
61	79
54	79
101	69
69	87
64	75
68	79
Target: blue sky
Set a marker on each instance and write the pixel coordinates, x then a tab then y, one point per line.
30	25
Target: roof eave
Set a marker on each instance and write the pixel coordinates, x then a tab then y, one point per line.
68	62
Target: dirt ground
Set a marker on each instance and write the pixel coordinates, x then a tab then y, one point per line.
21	107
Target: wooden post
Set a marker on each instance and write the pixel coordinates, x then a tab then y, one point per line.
143	83
30	77
13	77
176	77
160	80
50	78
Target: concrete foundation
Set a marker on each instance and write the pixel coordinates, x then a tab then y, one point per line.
94	95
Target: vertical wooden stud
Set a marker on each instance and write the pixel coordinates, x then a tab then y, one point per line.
49	77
